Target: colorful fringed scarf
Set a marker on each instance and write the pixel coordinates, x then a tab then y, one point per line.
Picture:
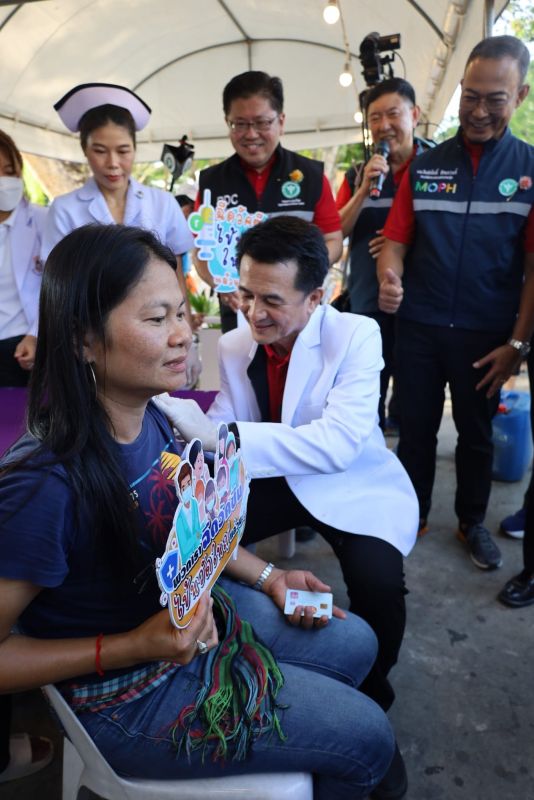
237	702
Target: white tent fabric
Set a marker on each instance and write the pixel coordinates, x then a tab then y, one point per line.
178	55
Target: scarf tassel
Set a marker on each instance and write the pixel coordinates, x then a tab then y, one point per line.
237	701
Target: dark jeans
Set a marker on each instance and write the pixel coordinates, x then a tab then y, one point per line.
11	374
427	358
372	569
388	324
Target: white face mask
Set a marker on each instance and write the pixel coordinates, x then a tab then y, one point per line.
11	189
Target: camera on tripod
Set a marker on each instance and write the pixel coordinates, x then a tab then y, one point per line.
372	62
178	159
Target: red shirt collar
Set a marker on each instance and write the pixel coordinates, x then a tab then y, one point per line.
258	180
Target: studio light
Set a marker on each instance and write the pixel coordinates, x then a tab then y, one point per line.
331	12
345	78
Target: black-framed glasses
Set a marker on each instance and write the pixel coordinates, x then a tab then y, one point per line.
491	104
240	126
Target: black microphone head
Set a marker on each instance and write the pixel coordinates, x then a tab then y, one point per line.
382	148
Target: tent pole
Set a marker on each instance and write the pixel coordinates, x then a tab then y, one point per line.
489	17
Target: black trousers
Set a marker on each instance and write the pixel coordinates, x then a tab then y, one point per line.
530	367
11	374
372	570
5	728
388	324
528	541
428	357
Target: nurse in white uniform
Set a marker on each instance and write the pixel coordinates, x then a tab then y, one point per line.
107	118
21	232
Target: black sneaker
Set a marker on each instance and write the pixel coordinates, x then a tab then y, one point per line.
483	551
394	784
518	592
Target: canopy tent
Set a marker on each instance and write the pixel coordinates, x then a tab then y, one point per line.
178	55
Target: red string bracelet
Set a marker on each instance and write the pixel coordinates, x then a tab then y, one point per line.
98	649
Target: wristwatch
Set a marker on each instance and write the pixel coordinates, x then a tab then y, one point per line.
523	348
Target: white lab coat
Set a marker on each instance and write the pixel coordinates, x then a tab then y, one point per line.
146	207
25	241
328	445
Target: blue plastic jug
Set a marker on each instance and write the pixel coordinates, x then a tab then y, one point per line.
512	437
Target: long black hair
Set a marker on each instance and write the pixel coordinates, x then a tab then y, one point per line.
87	274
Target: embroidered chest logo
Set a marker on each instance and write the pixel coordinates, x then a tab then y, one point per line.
508	187
290	189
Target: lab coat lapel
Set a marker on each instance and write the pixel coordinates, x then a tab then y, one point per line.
96	203
304	356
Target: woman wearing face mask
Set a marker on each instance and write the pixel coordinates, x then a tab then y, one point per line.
21	229
21	232
107	118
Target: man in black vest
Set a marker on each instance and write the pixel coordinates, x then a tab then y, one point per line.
264	176
392	115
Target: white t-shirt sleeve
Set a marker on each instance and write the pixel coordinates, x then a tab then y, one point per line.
58	224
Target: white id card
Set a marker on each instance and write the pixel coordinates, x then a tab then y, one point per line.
322	601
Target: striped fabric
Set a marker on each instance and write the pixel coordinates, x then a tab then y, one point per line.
121	689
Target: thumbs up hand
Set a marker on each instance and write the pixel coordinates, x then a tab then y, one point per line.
390	292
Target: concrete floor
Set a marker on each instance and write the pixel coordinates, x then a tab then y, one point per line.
464	714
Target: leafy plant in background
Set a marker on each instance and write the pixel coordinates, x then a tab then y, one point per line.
203	304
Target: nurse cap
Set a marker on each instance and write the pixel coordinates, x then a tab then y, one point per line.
87	96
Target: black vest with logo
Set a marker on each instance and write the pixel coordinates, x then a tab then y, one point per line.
294	185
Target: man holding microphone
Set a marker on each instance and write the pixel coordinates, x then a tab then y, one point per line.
366	195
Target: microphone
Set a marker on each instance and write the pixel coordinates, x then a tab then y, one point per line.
382	148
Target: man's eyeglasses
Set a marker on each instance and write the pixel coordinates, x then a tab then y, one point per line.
491	104
240	126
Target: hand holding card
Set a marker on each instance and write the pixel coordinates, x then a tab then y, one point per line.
321	601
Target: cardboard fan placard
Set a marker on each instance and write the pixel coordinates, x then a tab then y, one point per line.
217	231
207	526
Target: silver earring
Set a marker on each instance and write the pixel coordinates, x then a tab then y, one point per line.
91	370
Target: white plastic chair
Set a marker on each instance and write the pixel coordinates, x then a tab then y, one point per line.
84	768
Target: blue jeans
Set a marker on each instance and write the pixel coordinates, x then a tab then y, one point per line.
332	730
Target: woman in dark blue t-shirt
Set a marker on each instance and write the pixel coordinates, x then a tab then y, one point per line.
85	511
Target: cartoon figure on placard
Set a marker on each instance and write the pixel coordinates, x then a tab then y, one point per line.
220	456
200	498
233	463
222	485
186	519
195	457
207	526
217	233
210	501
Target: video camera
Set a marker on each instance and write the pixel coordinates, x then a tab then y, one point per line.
372	62
178	159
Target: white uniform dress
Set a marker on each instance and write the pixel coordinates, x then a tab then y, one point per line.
146	207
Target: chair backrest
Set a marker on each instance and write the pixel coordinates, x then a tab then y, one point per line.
98	776
82	742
